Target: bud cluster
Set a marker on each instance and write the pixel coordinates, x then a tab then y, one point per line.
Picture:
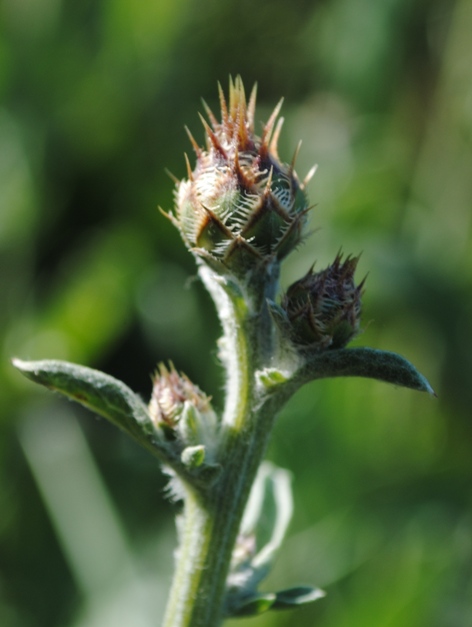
240	205
324	308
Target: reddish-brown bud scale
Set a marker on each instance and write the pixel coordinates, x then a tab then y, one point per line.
324	308
170	392
240	204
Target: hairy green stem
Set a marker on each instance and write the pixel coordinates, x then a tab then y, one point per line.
209	531
211	520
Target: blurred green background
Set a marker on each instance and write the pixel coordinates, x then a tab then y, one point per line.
94	96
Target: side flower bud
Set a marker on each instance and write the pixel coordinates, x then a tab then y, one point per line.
323	308
180	408
240	204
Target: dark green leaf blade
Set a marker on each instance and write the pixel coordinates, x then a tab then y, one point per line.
99	392
363	362
96	390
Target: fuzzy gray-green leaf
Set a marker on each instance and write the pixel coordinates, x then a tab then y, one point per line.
363	362
114	400
102	394
94	389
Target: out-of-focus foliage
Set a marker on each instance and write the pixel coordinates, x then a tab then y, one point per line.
94	96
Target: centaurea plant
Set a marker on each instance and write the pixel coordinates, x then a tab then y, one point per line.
240	212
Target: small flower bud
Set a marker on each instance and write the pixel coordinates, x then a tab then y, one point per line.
174	398
240	204
193	456
324	308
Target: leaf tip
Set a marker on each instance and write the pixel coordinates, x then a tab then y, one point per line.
25	367
429	389
422	384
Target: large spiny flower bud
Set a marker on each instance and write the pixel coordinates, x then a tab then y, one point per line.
240	204
324	308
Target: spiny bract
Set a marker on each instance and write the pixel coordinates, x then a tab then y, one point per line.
324	308
170	392
240	205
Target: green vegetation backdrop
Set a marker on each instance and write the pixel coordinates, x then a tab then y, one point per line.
94	96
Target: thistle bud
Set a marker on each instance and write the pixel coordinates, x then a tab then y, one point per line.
178	406
324	308
240	204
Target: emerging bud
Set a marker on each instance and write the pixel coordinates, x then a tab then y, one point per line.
240	205
176	400
324	307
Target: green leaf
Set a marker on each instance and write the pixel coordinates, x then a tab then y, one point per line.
259	603
102	394
94	389
115	401
254	605
268	514
290	598
265	521
362	362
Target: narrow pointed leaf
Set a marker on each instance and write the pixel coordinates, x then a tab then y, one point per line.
96	390
363	362
101	393
265	521
114	400
287	599
275	515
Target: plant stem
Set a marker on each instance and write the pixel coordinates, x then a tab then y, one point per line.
211	519
209	531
